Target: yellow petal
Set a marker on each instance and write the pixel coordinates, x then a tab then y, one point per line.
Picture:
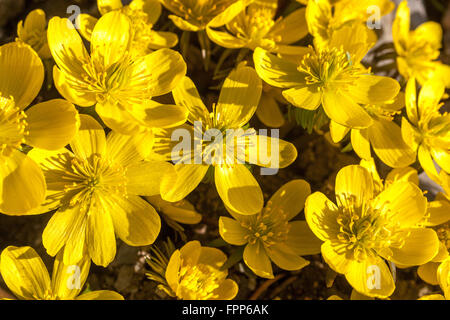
152	8
255	257
135	220
356	182
183	24
361	143
52	124
411	101
301	240
290	199
400	27
388	144
110	39
67	47
443	273
22	73
186	94
22	184
105	6
428	272
284	258
144	178
154	115
212	257
341	109
405	174
68	280
224	39
427	163
442	157
321	215
406	203
232	232
66	228
118	118
269	113
308	97
337	131
86	24
90	138
187	178
275	71
354	39
162	39
239	98
123	149
438	210
371	89
63	81
182	211
335	257
228	14
294	21
100	295
269	152
429	96
24	273
100	237
172	270
429	32
227	290
420	246
371	277
190	252
238	189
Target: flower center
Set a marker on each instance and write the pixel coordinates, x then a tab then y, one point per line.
330	67
199	282
12	126
267	226
364	229
86	178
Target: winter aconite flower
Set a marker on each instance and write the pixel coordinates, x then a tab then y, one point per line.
95	189
49	125
194	273
363	230
384	135
218	141
33	31
270	235
325	16
195	15
27	277
120	87
143	14
418	50
331	76
256	26
428	131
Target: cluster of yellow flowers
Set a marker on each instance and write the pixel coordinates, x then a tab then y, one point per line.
103	162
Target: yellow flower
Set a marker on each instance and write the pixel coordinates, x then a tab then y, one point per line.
235	184
194	273
143	15
181	211
326	16
255	26
443	279
95	190
270	235
332	77
418	50
384	135
428	131
34	32
27	277
363	229
49	125
121	87
196	15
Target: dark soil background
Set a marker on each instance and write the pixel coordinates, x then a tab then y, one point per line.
318	162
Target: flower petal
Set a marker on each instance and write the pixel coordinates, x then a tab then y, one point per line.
187	178
144	178
239	98
105	6
22	73
308	97
355	181
100	295
361	143
232	232
269	113
86	24
52	124
370	89
269	152
238	189
186	94
24	273
289	200
284	258
301	240
294	21
135	221
321	215
22	184
90	138
255	257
